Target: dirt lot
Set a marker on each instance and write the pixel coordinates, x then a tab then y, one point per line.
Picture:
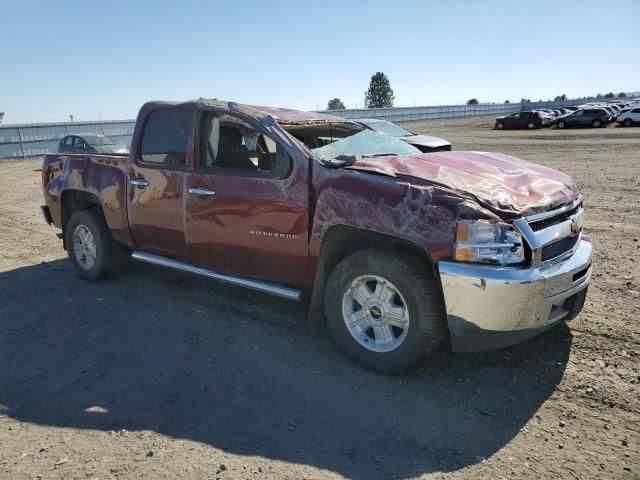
157	374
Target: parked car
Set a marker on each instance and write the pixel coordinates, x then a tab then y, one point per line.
529	120
594	117
91	143
400	250
424	143
629	117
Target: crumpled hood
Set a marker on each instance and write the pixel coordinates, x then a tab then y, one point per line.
507	185
425	141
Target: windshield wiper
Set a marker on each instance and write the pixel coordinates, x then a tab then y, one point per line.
373	155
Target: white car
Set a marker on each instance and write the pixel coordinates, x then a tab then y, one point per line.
629	117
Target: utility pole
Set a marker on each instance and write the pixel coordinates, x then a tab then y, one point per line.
101	124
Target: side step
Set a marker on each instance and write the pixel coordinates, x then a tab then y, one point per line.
258	285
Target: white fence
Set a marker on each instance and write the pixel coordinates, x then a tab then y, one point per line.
408	114
18	141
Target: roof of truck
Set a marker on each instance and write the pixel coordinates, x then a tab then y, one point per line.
281	115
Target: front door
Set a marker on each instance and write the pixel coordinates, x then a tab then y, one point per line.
246	203
577	118
156	182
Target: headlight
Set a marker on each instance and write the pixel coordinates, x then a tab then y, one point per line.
483	242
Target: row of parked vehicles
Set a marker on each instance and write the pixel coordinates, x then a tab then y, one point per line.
588	115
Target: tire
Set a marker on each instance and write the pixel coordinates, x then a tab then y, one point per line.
596	123
499	126
411	290
90	246
562	124
531	125
627	122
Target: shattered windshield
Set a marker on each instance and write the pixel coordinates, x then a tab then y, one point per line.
366	143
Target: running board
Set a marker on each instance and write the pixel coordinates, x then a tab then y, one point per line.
260	286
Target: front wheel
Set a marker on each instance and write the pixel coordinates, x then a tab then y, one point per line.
531	125
91	247
562	124
499	126
385	310
628	122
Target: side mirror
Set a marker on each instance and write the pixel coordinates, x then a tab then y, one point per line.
283	164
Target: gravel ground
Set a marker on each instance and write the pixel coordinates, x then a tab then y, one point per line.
156	374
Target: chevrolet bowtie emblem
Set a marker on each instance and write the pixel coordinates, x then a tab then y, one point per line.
576	225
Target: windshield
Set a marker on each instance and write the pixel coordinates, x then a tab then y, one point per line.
364	143
388	128
95	140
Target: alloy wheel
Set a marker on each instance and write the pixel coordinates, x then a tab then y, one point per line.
375	313
84	247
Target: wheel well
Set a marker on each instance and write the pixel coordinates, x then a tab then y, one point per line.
74	200
341	241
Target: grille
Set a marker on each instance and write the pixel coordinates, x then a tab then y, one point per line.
551	221
556	249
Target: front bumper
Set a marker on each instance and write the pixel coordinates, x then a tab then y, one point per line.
494	307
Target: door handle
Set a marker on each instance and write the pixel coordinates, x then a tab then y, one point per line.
201	191
139	182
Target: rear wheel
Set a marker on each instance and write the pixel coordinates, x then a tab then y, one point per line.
628	122
531	125
91	247
596	123
385	310
562	124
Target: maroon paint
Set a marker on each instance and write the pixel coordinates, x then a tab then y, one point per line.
416	199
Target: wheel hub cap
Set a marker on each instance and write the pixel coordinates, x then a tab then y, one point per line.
375	313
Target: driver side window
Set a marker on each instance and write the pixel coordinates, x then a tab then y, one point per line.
79	143
230	144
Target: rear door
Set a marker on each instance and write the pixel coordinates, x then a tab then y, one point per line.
635	115
247	203
156	181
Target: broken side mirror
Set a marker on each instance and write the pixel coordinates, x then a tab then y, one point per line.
282	165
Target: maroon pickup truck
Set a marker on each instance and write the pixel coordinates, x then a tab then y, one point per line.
401	251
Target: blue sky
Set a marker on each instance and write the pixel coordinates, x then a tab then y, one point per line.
80	57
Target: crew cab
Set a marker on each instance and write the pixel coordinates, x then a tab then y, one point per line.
402	252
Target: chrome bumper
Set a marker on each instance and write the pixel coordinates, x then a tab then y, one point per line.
493	307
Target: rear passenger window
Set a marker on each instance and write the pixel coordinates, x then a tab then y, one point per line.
165	137
68	142
227	142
